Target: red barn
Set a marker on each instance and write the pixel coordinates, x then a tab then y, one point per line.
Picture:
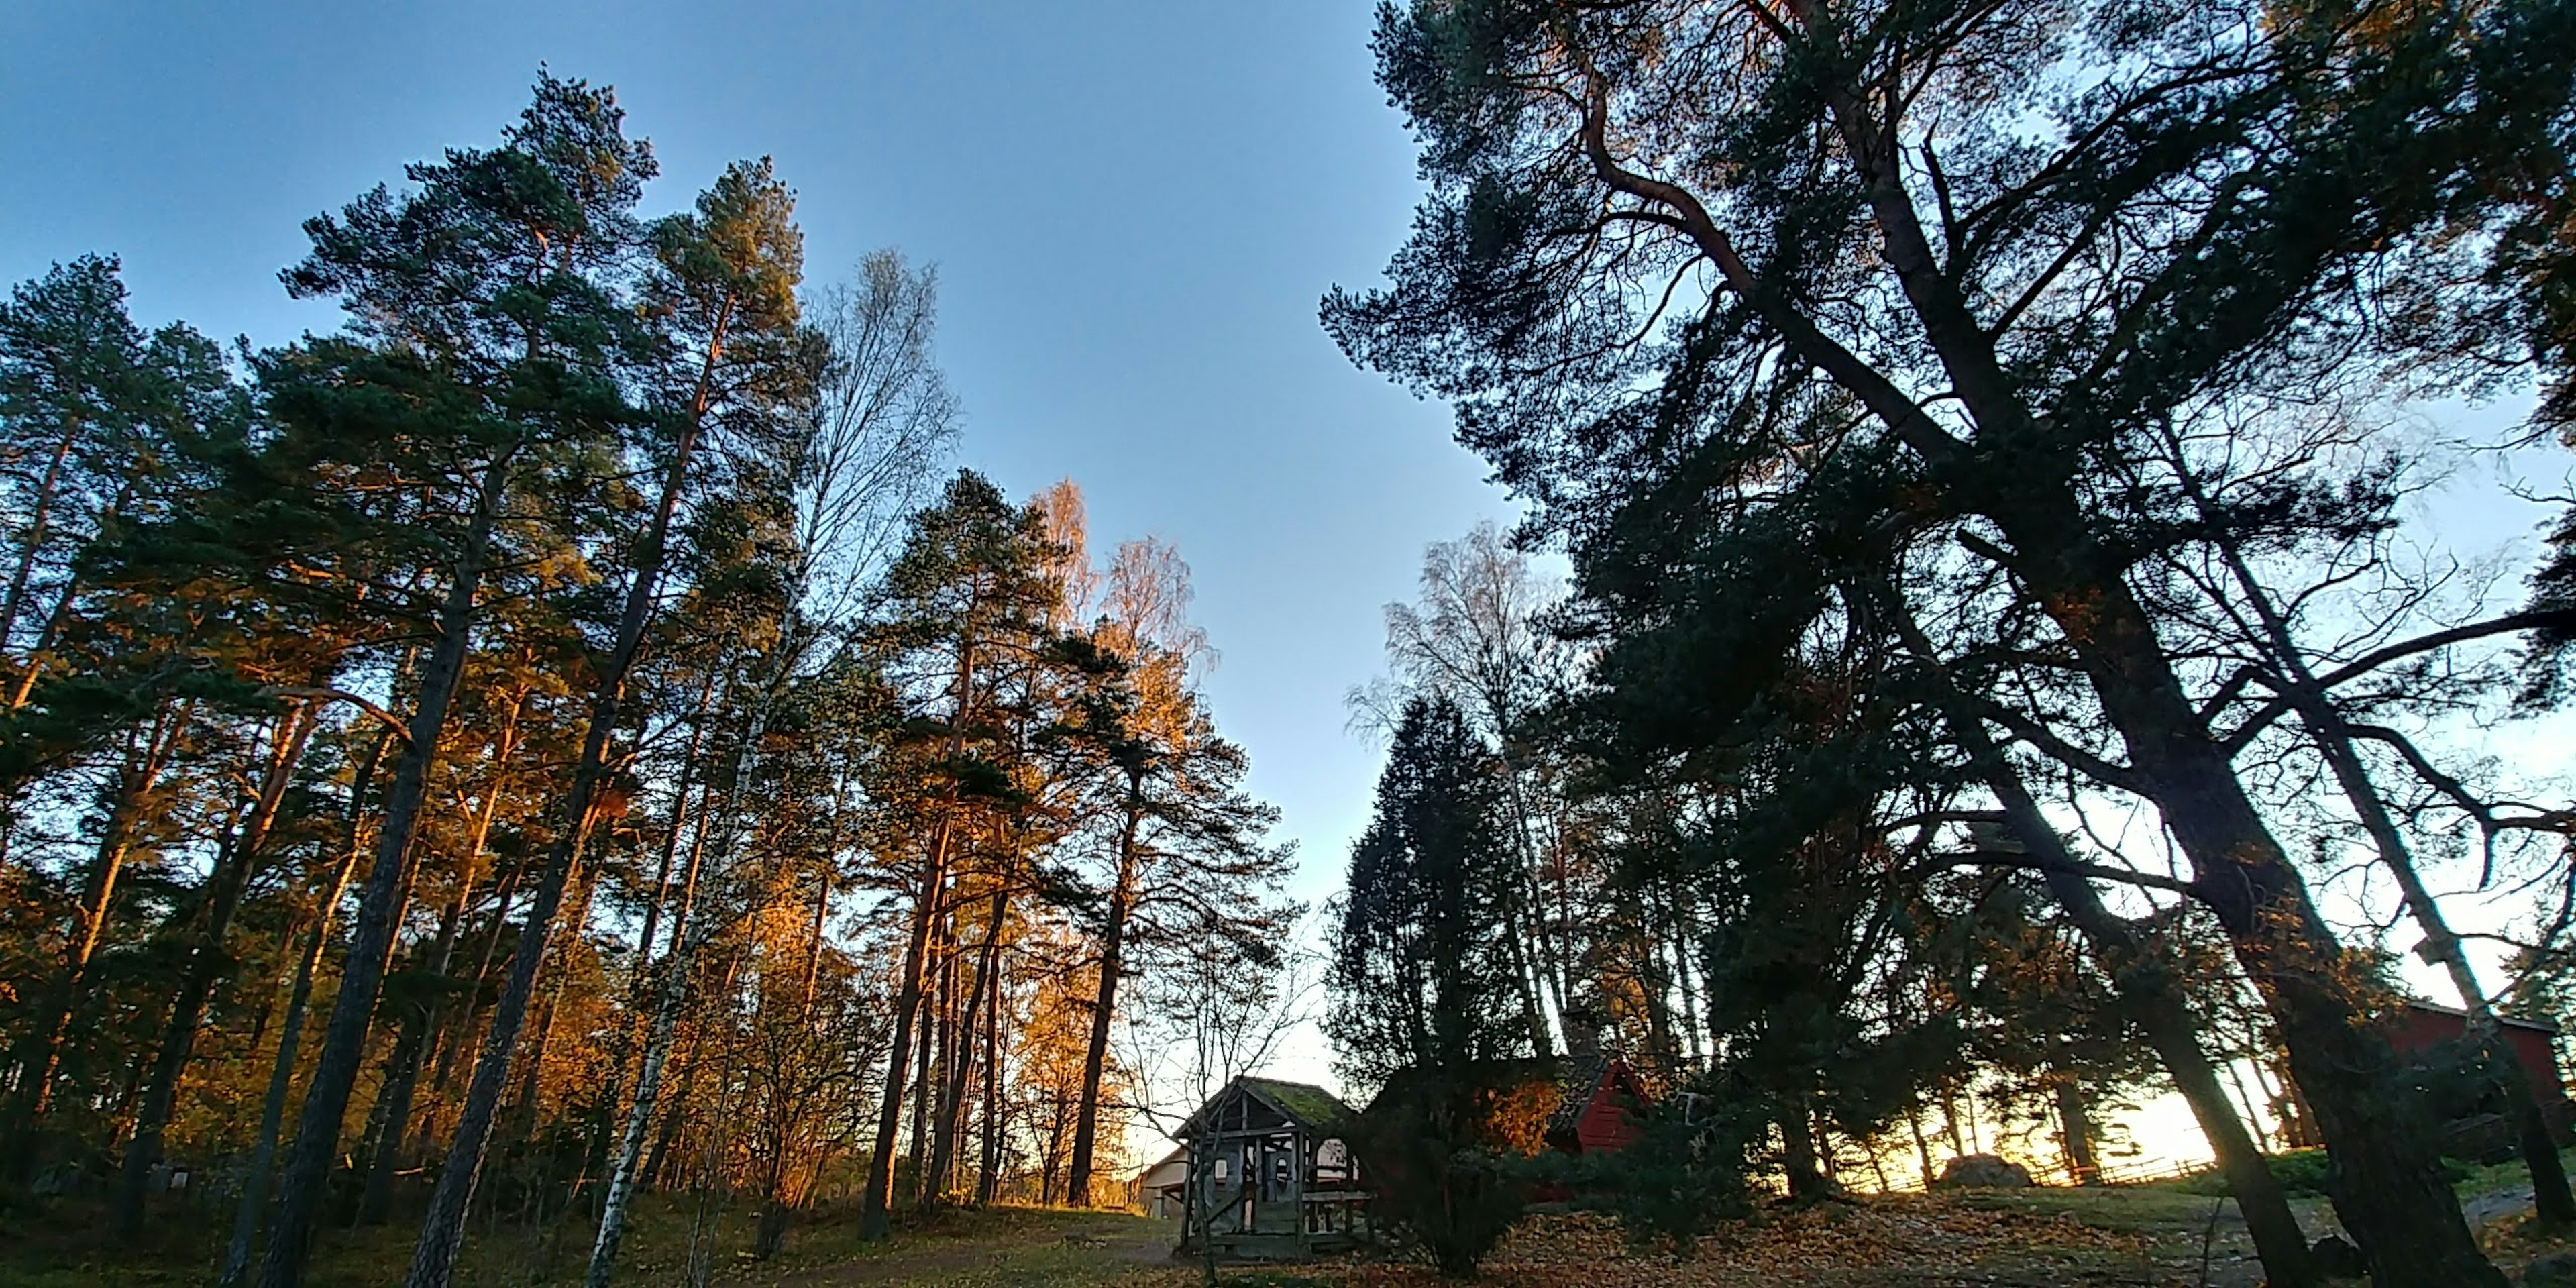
1598	1112
2534	1043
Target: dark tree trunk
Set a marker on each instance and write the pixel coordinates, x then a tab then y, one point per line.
1798	1158
2387	1182
2144	983
988	1177
281	1075
41	1051
335	1067
2388	1187
943	1157
2075	1130
402	1074
876	1203
934	1036
1095	1059
443	1230
2334	740
206	963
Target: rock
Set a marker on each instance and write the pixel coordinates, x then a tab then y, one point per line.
2334	1257
2557	1270
1982	1172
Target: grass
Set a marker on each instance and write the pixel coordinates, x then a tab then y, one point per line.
60	1244
2156	1233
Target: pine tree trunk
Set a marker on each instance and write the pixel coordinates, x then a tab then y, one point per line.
2144	983
335	1068
281	1074
2389	1189
934	1039
2388	1185
206	961
2555	1203
1095	1058
669	1000
961	1069
443	1231
42	1051
989	1176
2075	1130
1806	1176
402	1073
48	490
875	1204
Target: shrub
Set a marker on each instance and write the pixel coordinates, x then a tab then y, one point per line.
2299	1171
1679	1178
1448	1155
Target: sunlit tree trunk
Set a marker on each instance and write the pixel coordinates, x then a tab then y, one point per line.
281	1076
42	1050
206	961
1095	1059
943	1159
876	1201
335	1069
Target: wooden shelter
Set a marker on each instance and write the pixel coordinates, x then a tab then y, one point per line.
1270	1178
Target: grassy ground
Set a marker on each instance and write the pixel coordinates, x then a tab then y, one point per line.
2129	1235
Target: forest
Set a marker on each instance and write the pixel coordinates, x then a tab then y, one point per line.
566	758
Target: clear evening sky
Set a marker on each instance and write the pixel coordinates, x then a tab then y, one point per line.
1133	208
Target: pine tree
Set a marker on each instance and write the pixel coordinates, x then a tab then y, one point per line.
969	597
2008	243
487	342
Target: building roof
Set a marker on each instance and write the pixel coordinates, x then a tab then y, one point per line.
1304	1103
1579	1081
1177	1158
2510	1021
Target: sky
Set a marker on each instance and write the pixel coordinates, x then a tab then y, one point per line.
1133	208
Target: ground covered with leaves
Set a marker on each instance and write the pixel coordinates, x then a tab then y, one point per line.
2131	1235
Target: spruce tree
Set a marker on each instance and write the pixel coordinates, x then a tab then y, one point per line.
1423	988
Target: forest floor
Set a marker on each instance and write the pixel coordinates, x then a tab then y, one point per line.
2123	1235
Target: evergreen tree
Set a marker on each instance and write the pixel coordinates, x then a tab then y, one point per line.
969	598
1420	973
2007	244
488	343
1422	993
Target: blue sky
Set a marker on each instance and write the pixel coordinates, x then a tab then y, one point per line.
1133	208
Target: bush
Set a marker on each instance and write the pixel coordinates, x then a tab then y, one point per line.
2299	1171
1448	1156
1678	1179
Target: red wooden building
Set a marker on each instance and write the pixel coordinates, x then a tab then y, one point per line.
1598	1110
2534	1042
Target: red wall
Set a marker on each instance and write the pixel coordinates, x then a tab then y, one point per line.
2416	1028
1605	1124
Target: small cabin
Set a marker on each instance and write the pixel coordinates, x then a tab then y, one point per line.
1163	1189
1268	1176
1596	1110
